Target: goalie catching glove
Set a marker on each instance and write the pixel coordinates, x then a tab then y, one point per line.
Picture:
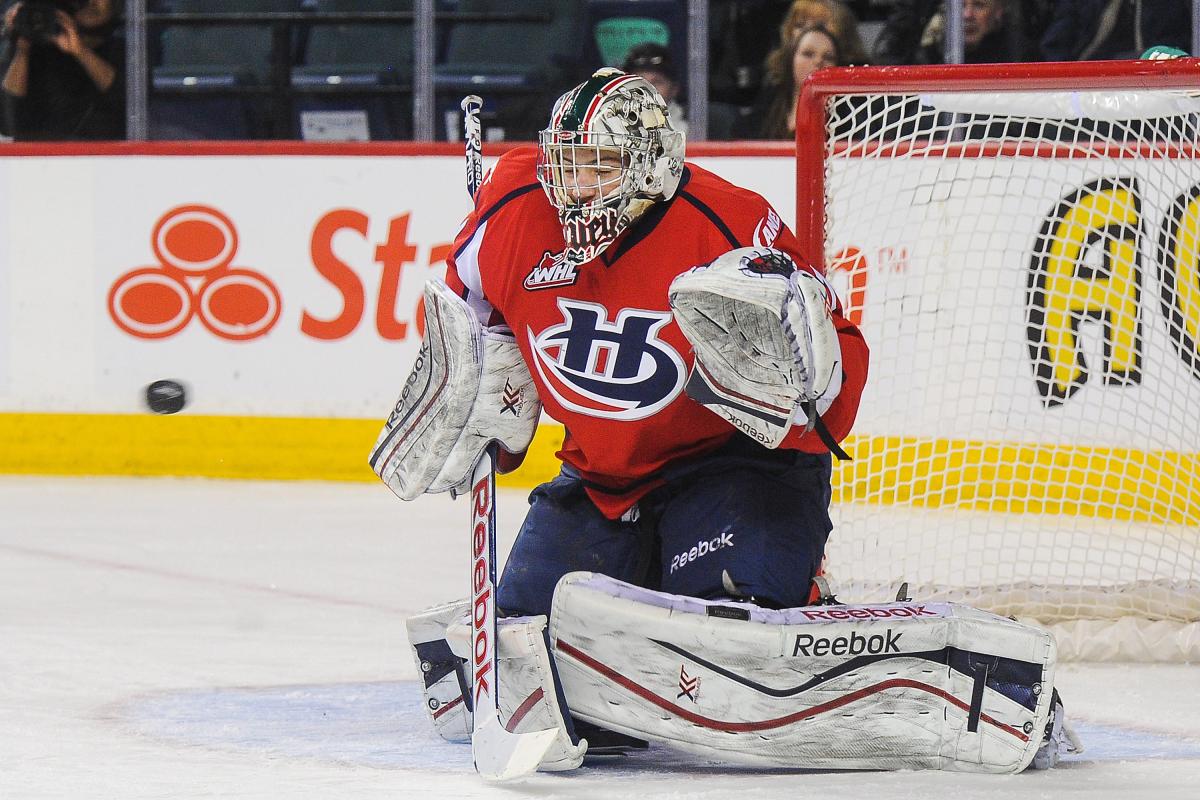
767	352
468	388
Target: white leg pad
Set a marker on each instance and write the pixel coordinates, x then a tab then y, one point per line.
530	696
894	686
445	674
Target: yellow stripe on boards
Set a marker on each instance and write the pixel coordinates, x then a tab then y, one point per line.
1111	483
1022	478
256	448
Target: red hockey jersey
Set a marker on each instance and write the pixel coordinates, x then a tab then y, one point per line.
608	359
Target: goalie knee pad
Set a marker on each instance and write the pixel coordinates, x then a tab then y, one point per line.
894	686
530	694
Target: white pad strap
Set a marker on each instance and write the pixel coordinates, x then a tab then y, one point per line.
767	351
530	695
468	387
893	686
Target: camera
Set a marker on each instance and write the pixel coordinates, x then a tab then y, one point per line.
37	20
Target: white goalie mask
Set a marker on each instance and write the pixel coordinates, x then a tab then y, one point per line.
609	153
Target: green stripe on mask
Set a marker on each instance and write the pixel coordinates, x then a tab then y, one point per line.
574	115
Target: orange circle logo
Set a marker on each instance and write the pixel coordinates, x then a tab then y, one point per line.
194	245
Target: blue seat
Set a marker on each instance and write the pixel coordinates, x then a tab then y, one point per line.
355	67
614	26
361	51
200	79
517	67
214	56
512	56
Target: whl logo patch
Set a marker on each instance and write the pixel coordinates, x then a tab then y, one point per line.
701	549
615	370
555	269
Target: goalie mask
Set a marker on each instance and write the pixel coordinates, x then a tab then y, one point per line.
609	154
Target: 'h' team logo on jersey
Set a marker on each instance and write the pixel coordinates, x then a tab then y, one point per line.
615	370
555	269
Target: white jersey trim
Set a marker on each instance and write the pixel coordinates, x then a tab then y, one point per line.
467	263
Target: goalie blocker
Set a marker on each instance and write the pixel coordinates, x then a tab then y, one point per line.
904	685
468	388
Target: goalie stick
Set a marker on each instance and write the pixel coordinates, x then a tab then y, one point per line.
498	753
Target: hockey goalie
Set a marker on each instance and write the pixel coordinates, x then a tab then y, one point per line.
661	587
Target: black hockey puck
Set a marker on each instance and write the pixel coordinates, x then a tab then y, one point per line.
165	397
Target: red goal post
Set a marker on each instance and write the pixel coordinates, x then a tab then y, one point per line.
1021	246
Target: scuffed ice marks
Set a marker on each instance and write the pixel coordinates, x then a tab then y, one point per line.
382	725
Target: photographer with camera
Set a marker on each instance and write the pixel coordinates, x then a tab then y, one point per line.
64	76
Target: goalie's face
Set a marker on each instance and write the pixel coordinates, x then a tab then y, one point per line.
608	154
583	176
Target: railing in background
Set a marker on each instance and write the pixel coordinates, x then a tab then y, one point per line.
698	70
281	91
423	100
138	24
137	72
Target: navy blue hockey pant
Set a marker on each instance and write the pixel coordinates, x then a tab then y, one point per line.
760	515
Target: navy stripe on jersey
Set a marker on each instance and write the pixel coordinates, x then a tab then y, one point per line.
513	195
713	218
644	226
640	230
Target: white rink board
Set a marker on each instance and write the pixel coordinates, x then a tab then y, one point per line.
925	262
74	225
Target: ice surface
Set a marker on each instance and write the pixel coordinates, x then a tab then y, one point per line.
196	639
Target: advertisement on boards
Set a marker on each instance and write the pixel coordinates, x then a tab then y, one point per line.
271	285
274	286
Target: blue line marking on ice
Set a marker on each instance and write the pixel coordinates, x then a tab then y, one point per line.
384	725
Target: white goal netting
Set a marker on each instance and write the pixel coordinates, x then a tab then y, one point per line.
1024	263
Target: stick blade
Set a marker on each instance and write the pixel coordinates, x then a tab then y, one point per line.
501	755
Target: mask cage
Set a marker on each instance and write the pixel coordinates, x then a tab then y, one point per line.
570	168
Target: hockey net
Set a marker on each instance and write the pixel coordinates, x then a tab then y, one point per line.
1019	244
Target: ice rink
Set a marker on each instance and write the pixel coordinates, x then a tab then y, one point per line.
194	639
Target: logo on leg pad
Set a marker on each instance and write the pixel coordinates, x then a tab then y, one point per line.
701	549
853	645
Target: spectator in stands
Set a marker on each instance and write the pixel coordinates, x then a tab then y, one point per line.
813	48
742	79
992	32
768	117
64	74
654	63
833	16
1089	30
